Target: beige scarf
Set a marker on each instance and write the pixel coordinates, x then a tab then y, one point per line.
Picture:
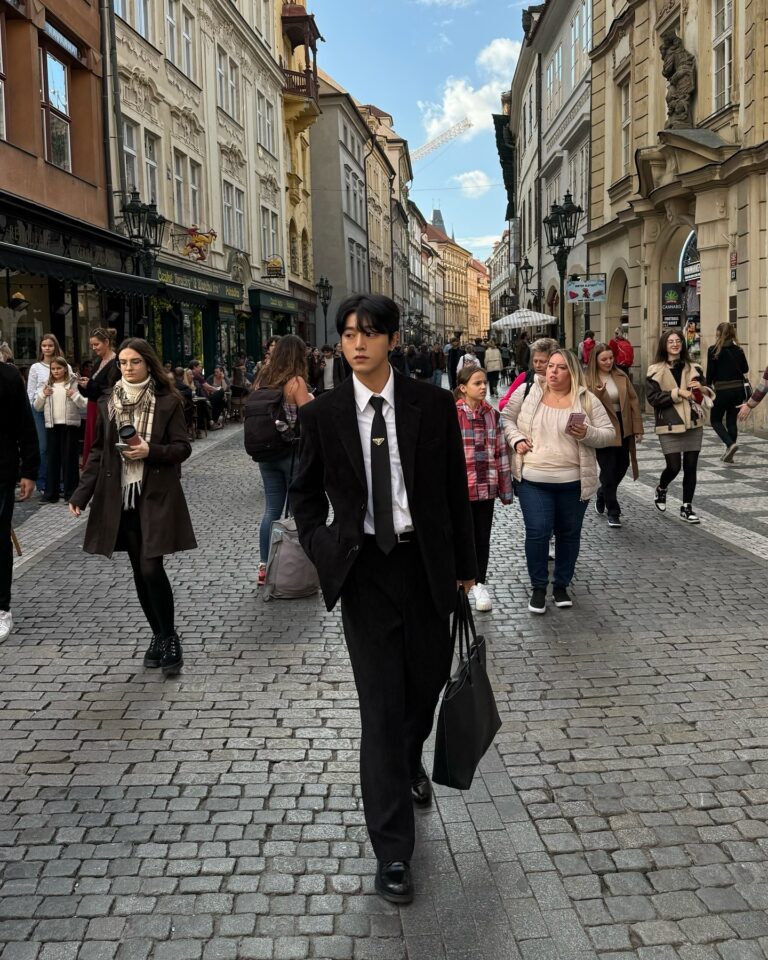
133	403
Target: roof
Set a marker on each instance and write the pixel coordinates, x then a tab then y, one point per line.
480	267
437	235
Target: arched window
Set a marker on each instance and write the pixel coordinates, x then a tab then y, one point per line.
293	246
305	271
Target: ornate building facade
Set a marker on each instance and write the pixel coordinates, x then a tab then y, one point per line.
679	163
455	261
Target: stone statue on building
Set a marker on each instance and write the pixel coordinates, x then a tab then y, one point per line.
679	69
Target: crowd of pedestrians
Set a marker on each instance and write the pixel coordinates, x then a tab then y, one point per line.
392	482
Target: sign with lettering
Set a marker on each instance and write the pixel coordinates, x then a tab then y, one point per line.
671	302
261	300
201	284
585	289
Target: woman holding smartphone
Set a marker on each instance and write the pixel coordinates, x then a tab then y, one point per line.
553	433
674	387
132	480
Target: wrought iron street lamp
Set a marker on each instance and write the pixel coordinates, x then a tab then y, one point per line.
507	304
526	273
145	228
324	294
561	228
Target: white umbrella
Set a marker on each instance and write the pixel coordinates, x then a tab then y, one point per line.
523	318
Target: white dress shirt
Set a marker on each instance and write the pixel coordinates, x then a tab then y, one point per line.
401	513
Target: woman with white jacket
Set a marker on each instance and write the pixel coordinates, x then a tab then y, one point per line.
37	377
553	433
60	402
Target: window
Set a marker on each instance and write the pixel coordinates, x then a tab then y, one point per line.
120	8
239	237
573	176
228	200
348	190
55	110
270	237
151	151
227	84
171	30
179	169
267	18
142	17
626	127
187	43
293	247
195	205
305	255
265	123
131	159
352	271
554	79
2	78
722	49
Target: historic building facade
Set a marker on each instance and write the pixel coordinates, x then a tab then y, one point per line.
456	261
500	276
379	175
478	299
679	163
197	129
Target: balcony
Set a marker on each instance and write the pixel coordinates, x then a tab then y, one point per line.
301	99
303	84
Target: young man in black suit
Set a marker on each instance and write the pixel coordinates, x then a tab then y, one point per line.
387	452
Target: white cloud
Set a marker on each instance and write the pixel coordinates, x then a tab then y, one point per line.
441	42
461	98
445	3
473	244
473	183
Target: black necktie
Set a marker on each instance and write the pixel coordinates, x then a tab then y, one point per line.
381	480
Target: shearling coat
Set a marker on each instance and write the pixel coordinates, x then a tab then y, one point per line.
165	523
674	414
75	404
631	417
517	420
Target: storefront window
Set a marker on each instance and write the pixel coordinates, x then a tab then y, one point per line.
24	315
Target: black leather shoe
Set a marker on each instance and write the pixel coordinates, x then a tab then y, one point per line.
393	881
173	658
154	653
421	788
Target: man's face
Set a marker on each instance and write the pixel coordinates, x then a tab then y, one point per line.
365	352
539	362
327	354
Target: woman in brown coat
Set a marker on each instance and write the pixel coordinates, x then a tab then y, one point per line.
132	480
615	391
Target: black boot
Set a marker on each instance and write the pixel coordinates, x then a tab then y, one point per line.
154	653
173	658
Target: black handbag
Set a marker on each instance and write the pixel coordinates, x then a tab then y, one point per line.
468	719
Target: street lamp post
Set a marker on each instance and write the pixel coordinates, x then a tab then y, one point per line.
145	228
324	294
561	227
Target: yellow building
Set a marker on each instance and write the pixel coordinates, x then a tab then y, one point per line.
478	299
379	175
456	262
678	173
301	108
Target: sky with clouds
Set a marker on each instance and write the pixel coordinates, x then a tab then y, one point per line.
431	63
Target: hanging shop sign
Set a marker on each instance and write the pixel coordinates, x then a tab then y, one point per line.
586	289
275	267
179	281
671	304
261	300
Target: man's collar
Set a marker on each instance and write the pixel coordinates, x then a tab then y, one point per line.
363	394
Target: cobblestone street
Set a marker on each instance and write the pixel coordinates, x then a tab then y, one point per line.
622	812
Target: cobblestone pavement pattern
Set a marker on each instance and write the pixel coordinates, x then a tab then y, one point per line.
622	813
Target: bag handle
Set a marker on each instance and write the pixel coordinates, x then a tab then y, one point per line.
287	513
461	625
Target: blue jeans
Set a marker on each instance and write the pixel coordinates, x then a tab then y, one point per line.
548	508
276	477
42	439
437	378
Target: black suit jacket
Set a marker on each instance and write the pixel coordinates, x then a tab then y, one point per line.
434	468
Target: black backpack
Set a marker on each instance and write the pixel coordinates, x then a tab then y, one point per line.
263	439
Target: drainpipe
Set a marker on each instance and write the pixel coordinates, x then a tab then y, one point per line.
538	207
118	111
106	6
392	231
365	182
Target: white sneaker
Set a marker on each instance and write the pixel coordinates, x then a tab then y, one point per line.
483	602
6	623
551	549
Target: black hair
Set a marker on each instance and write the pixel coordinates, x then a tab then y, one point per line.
375	314
589	334
326	346
662	354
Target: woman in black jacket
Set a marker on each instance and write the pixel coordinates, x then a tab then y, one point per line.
101	342
137	503
726	372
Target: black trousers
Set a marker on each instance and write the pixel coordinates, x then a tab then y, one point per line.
493	382
401	652
726	405
482	521
153	587
7	495
614	463
63	447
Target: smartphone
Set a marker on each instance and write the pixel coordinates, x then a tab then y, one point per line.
122	446
575	420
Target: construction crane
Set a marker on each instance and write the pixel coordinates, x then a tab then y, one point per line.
445	137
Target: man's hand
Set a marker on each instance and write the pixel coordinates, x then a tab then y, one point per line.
26	488
744	411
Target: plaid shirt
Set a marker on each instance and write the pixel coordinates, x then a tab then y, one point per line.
485	450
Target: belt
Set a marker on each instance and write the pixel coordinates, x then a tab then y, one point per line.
408	536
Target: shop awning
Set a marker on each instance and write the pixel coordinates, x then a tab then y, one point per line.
126	283
27	260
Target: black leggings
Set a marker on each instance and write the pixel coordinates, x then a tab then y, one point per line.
152	585
689	460
482	520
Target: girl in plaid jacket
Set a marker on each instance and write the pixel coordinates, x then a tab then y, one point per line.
488	469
